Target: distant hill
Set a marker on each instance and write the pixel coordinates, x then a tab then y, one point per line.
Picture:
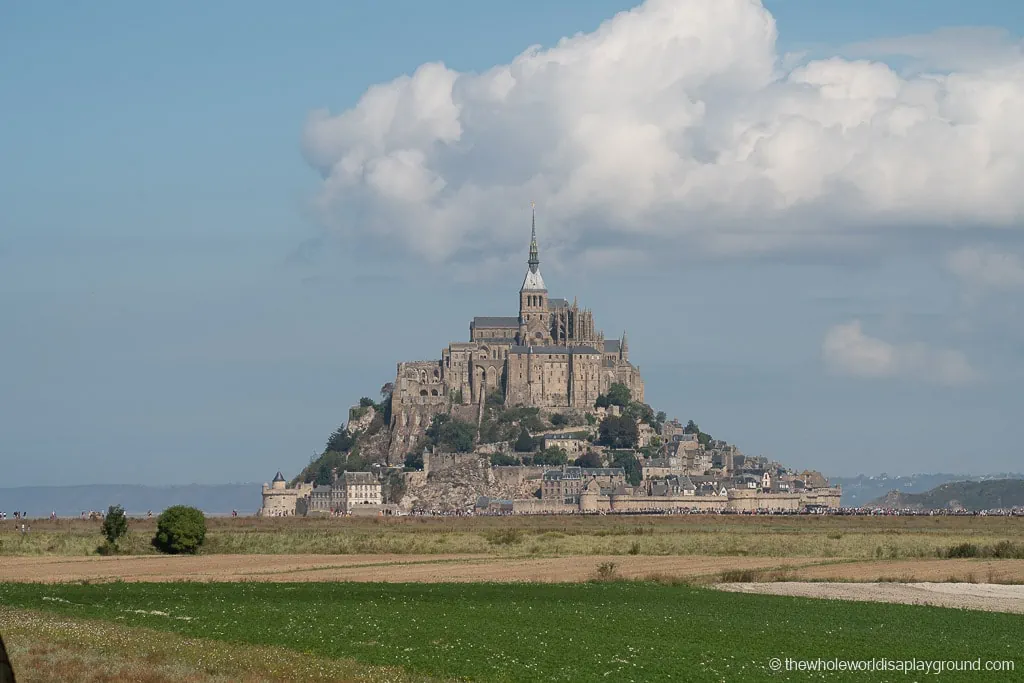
39	501
862	489
970	495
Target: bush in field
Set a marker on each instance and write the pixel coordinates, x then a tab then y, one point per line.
115	525
180	529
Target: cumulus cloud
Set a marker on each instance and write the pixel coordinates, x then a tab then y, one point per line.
847	350
676	122
987	269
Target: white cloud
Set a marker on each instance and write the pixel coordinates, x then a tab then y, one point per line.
984	268
847	350
675	121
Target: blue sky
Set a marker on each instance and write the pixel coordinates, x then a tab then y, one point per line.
185	300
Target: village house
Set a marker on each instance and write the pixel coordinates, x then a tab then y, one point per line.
566	484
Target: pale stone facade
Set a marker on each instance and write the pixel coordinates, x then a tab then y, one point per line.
549	356
279	500
355	490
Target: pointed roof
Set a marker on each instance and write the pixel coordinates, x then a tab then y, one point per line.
279	476
533	280
534	259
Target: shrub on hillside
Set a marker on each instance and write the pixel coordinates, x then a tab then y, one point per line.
180	529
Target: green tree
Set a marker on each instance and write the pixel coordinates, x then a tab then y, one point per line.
180	529
618	431
602	401
494	397
115	525
559	420
413	461
619	394
661	417
525	443
691	428
366	402
553	455
384	407
525	417
591	419
503	459
340	440
451	435
628	462
588	459
326	466
640	412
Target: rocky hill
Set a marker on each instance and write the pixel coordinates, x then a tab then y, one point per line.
966	495
496	448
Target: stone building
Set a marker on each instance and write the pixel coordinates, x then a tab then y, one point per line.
355	489
551	355
566	484
279	500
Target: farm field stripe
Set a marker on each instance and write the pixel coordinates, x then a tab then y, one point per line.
612	630
56	647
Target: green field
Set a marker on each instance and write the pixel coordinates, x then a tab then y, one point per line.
602	631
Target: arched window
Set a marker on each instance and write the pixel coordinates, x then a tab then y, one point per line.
437	373
423	392
433	392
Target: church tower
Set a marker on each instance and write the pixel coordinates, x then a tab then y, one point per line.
534	323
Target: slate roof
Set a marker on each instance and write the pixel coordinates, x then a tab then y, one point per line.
491	321
557	303
603	471
533	282
611	345
279	476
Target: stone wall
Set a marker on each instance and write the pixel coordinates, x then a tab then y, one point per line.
516	476
439	463
536	506
278	502
750	500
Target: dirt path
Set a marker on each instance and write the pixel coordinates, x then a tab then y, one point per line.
907	571
989	597
392	568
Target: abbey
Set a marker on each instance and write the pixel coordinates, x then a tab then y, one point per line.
550	356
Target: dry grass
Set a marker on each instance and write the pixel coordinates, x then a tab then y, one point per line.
52	648
879	538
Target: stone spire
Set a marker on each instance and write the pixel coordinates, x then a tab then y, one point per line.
534	255
533	280
624	347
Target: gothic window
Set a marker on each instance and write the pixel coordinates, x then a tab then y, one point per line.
433	392
423	392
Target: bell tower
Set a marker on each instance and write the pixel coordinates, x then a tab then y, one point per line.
534	317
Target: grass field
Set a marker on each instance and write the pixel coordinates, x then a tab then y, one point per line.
599	631
825	537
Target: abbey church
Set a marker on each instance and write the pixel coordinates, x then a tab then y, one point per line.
550	356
